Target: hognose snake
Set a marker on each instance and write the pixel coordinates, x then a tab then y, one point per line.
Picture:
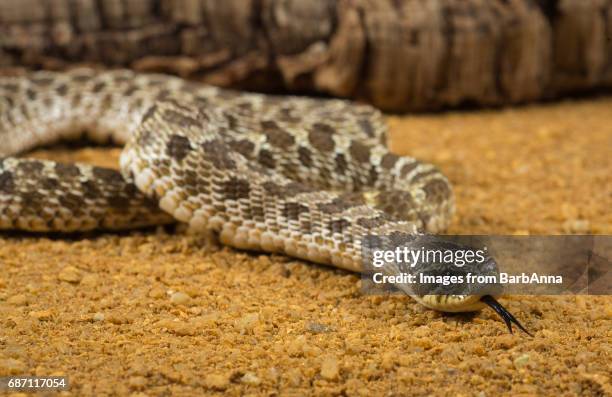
304	177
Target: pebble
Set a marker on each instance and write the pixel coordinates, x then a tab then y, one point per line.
505	341
116	318
41	315
90	280
405	360
329	368
98	317
476	379
14	351
217	381
157	293
548	334
388	360
521	360
70	274
317	328
296	346
17	300
585	357
577	226
179	328
180	298
250	379
425	343
580	302
137	382
479	350
248	322
601	380
10	366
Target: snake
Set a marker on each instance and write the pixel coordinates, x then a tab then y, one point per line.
304	177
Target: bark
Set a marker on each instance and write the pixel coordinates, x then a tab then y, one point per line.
400	55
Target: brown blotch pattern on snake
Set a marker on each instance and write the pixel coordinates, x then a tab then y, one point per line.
178	147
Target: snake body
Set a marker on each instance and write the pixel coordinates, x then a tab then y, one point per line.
300	176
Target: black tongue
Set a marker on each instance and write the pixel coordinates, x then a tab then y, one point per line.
508	318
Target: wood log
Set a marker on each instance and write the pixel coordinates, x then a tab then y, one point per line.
400	55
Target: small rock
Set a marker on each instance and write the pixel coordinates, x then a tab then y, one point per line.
317	328
116	318
425	343
505	363
157	293
137	382
42	315
476	379
98	317
195	310
206	320
548	334
294	377
577	226
105	303
608	311
505	341
217	381
405	360
521	360
479	350
296	346
70	274
17	300
585	357
388	360
273	374
90	280
248	322
14	351
180	298
329	368
599	379
179	328
580	302
10	366
250	379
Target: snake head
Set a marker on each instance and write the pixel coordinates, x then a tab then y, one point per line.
468	303
452	277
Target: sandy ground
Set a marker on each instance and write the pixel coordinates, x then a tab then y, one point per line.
161	313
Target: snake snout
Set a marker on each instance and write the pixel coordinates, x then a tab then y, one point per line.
470	303
452	303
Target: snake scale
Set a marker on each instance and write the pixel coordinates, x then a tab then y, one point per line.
300	176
